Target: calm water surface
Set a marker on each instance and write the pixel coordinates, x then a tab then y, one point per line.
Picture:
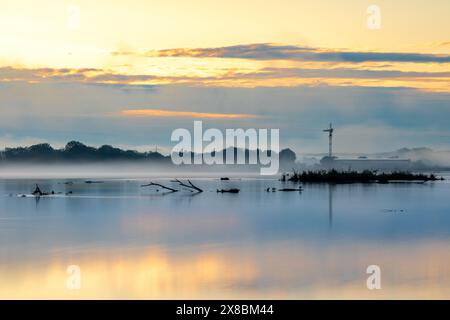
134	242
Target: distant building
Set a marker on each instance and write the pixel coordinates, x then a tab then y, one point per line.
361	164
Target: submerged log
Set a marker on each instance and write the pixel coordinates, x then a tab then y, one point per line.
290	189
232	190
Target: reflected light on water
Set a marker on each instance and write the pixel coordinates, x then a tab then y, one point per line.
272	271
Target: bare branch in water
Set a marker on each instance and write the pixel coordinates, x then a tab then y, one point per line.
159	185
189	186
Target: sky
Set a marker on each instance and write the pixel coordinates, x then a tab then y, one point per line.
128	73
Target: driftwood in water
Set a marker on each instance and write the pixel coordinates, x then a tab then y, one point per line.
290	189
233	190
37	192
159	185
189	186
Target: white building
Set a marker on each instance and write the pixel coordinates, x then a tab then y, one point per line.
366	164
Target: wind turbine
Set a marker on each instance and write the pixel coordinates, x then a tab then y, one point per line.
330	138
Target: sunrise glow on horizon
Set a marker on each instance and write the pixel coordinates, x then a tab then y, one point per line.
232	43
164	53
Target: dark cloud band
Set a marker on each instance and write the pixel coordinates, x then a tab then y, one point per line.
267	51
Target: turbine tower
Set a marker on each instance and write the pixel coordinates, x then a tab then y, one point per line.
330	138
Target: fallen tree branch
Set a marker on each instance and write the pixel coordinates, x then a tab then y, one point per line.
189	186
159	185
195	187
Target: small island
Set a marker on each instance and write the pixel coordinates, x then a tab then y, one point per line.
367	176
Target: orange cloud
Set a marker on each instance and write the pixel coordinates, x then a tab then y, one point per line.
185	114
421	76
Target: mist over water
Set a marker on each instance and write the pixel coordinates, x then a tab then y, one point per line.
120	170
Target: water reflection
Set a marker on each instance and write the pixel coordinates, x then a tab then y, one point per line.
277	270
330	205
135	243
